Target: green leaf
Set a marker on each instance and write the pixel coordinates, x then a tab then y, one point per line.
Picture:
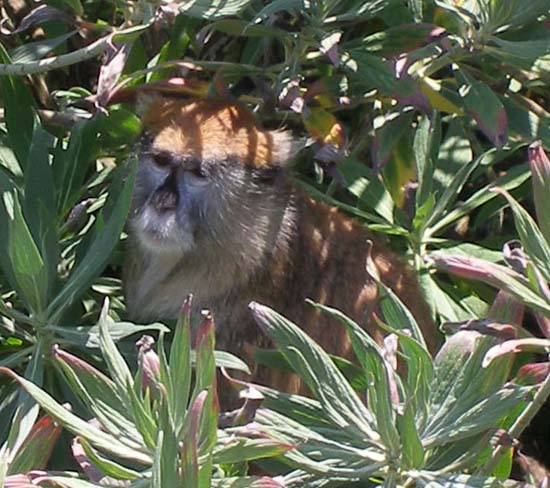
412	452
189	448
77	426
205	379
26	261
71	165
426	148
27	411
511	180
428	479
532	240
453	189
460	384
88	337
399	316
212	9
180	366
378	374
33	51
98	254
238	449
318	371
105	465
243	28
118	368
165	465
484	416
144	420
277	6
180	35
387	135
20	114
367	187
485	107
99	394
540	181
39	202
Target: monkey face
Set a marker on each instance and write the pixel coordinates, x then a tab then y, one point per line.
205	173
169	199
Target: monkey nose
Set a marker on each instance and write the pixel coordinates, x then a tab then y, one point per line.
164	201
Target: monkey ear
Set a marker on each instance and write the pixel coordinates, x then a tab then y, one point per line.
285	147
145	100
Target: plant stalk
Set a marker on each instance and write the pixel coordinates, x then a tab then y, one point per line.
519	425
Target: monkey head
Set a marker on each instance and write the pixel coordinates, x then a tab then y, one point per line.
209	179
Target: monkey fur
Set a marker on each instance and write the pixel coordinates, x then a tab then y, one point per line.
215	213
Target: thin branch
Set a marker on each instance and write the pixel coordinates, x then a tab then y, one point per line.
55	62
87	52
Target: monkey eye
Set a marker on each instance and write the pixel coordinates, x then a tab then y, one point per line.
162	159
196	177
198	173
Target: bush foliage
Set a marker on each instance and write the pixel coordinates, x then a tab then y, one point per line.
426	119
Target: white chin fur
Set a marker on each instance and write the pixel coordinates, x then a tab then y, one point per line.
160	233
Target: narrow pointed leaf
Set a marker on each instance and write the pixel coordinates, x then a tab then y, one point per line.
318	371
76	425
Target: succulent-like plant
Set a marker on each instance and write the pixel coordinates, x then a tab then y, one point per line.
433	422
157	428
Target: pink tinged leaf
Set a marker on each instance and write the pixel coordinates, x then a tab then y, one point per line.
502	438
513	254
78	365
401	65
38	445
205	331
110	73
515	346
485	107
544	324
329	47
506	308
415	98
26	480
459	346
532	373
253	399
92	473
189	447
390	347
186	308
42	14
486	327
473	268
149	362
267	482
291	96
540	178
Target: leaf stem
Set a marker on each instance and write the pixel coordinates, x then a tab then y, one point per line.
520	424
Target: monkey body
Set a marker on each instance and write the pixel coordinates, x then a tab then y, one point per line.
215	214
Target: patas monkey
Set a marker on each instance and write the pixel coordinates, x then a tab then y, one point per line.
215	213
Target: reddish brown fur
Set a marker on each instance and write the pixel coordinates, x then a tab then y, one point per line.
327	263
308	250
210	131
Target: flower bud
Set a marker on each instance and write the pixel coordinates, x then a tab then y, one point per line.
540	178
148	362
